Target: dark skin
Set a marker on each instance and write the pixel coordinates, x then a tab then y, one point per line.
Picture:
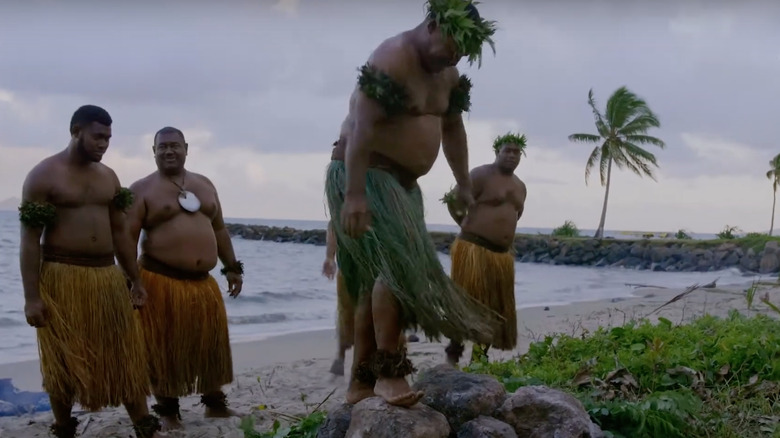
423	61
82	189
499	199
499	203
180	239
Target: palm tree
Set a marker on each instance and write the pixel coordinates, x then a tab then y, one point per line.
774	175
621	130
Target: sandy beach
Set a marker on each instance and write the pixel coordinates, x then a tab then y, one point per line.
289	374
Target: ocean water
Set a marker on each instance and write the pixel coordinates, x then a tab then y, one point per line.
284	291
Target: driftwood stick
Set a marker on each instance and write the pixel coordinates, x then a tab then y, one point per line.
676	298
639	285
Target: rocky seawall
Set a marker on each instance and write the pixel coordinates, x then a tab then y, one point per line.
754	255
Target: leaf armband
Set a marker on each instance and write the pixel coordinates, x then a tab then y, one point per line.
460	96
37	215
123	199
379	86
236	268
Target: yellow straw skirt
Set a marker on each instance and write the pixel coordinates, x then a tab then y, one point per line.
346	313
91	349
185	329
489	277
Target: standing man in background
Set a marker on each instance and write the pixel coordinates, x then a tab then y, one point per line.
185	324
483	260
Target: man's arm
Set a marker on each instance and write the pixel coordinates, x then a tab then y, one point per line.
455	148
225	250
458	211
135	216
330	242
124	246
367	114
522	192
34	190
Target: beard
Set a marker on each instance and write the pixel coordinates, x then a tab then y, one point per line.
82	150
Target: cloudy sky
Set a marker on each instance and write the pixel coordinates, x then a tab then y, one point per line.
260	89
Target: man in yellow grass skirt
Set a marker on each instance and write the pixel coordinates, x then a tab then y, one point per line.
482	255
184	322
90	344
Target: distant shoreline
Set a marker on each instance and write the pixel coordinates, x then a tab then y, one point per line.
753	254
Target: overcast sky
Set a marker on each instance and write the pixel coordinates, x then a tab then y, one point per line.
260	88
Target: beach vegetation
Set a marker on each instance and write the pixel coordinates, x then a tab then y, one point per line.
289	426
712	377
568	229
682	235
729	232
621	134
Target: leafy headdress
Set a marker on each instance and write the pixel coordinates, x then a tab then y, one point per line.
510	138
470	31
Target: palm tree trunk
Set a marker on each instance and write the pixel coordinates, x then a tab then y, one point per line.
774	201
600	230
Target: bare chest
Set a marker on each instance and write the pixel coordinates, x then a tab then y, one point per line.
498	191
163	203
77	190
428	96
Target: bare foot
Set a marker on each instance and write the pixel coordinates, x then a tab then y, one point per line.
170	423
220	413
358	391
397	392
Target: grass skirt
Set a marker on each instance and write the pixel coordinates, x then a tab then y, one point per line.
399	252
185	329
91	349
489	277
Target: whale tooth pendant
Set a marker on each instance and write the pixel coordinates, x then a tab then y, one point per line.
189	201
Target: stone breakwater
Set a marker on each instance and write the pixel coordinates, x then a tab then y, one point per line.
758	256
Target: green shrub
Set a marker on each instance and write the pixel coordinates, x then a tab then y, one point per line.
714	377
568	229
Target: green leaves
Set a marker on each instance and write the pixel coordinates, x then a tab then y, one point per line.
379	86
510	138
37	215
622	130
452	18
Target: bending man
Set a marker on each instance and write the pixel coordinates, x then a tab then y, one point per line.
90	346
408	101
483	260
184	322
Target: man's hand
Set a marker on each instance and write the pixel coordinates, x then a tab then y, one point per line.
36	313
355	215
329	268
464	197
235	283
138	295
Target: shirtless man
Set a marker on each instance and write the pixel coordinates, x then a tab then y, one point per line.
184	322
77	298
408	101
482	255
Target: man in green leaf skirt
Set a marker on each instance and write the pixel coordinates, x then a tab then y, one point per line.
408	100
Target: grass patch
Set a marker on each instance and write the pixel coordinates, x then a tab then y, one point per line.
714	377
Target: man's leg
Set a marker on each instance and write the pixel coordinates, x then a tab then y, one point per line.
454	352
145	425
168	410
362	380
64	425
216	404
390	363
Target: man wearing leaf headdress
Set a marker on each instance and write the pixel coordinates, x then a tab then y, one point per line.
482	255
73	233
408	100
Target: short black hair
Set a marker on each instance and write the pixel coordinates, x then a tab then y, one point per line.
472	10
169	130
88	114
